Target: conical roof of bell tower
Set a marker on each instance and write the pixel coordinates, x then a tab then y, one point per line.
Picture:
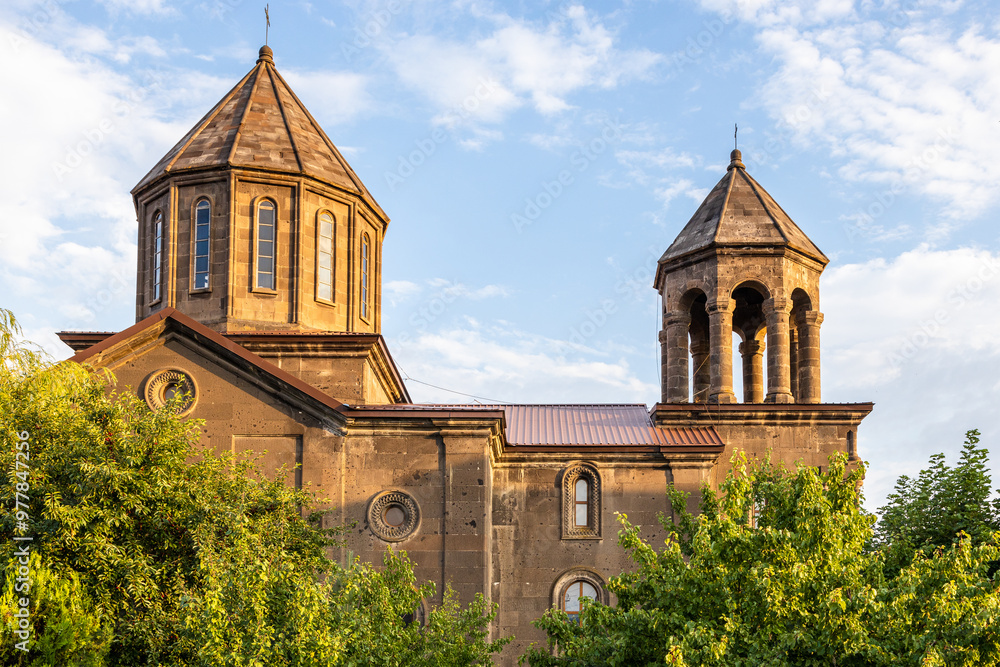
739	213
260	124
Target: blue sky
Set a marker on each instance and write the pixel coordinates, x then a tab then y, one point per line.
876	126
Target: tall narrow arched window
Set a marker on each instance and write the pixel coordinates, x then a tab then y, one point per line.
266	229
157	256
202	241
324	258
581	500
365	271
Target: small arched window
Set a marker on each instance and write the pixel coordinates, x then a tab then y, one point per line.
572	598
576	585
365	271
581	499
202	241
157	256
324	257
265	255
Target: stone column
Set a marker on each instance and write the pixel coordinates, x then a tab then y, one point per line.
753	371
720	334
664	366
676	380
702	377
779	384
808	324
793	361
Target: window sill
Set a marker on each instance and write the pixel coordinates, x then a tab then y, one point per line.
584	536
263	291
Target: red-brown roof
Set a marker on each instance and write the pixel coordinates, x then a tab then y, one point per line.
579	425
596	425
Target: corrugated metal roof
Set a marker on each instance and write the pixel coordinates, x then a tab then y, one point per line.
580	424
596	425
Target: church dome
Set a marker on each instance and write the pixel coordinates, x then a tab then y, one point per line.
260	124
739	213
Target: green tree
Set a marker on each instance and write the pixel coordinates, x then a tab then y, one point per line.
148	549
774	571
938	507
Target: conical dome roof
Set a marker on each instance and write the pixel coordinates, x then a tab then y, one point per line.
260	124
738	212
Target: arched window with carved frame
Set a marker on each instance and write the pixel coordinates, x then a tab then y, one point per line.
581	499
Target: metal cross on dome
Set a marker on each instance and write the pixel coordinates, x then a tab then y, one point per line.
267	18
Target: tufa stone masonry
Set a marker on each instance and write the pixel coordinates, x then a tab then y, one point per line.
258	293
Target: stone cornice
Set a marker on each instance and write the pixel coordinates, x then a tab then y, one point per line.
758	414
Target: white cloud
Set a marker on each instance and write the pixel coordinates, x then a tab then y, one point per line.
682	186
83	135
517	63
895	315
500	363
454	290
145	7
901	105
333	97
915	335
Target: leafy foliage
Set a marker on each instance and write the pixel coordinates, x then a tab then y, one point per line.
151	550
774	571
938	507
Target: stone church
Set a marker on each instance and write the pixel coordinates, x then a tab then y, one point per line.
258	293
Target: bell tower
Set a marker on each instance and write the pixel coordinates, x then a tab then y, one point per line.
254	221
740	265
742	273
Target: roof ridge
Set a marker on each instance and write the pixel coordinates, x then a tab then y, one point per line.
725	204
284	117
207	119
243	115
329	143
754	185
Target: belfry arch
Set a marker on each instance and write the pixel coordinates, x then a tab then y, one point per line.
749	323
